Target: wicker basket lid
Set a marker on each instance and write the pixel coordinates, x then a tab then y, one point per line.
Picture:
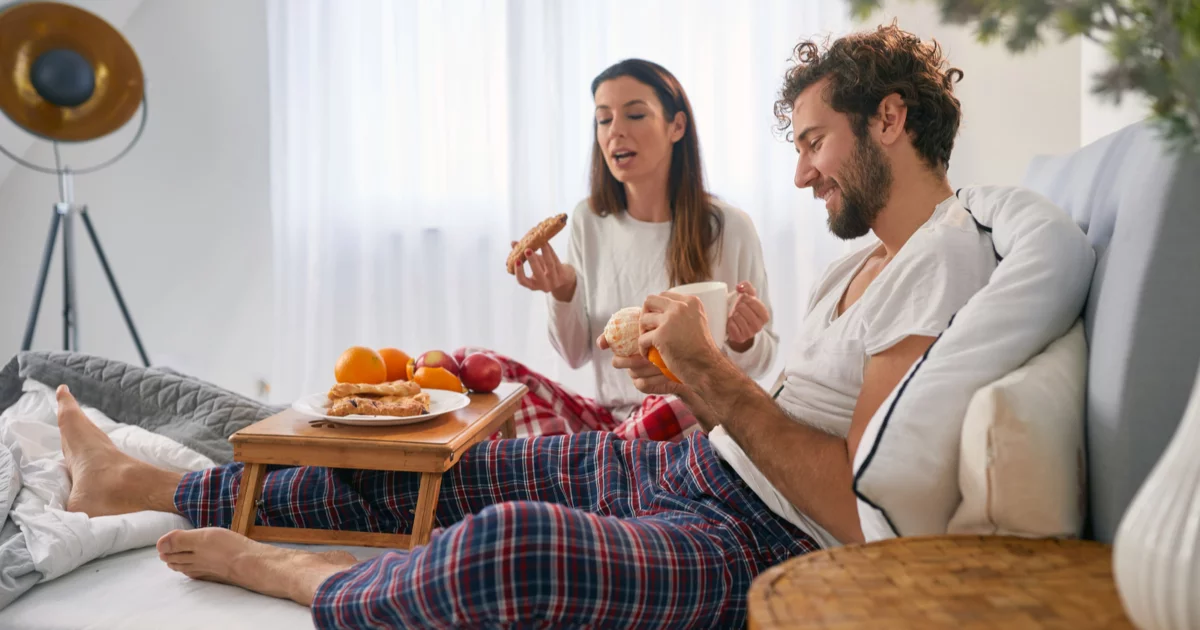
943	582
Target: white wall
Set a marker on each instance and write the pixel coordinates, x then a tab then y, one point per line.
184	218
1014	106
1100	117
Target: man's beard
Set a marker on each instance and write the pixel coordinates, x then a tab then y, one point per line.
865	189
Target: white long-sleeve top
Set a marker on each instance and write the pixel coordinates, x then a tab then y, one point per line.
619	261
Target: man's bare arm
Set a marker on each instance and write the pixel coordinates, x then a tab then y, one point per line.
812	469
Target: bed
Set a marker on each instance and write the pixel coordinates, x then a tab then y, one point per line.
134	590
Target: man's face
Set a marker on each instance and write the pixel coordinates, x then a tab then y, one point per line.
850	173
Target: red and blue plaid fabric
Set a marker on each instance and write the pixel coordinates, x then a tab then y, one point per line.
551	409
571	531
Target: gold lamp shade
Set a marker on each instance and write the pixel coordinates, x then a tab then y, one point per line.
30	29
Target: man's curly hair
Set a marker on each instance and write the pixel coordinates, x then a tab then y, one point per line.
864	68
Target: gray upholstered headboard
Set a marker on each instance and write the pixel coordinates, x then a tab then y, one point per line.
1140	206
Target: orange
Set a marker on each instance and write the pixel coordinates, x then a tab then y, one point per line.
408	368
437	378
396	362
657	360
360	365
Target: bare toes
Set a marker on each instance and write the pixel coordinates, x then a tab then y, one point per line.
174	541
190	571
65	399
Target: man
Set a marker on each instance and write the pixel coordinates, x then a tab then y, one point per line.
590	530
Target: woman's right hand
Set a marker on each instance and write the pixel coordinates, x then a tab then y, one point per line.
547	274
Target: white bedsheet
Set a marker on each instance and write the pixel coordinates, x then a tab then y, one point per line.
134	590
60	541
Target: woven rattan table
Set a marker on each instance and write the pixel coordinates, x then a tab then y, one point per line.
943	582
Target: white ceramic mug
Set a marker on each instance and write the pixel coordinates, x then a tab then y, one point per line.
714	296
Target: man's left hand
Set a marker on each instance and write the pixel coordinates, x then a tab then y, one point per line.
678	327
647	378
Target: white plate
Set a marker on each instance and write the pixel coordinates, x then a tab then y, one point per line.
440	402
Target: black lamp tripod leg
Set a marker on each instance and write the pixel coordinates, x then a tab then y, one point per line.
70	330
112	282
40	288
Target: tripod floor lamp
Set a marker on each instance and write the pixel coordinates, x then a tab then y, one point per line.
67	76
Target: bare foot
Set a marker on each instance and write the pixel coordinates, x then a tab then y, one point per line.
105	481
220	555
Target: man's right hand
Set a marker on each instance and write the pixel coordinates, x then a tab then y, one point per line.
547	274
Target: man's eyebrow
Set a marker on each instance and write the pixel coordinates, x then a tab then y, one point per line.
807	130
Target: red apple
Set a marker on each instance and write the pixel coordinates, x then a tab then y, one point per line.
437	358
481	373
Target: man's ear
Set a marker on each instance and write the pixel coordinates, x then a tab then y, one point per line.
892	116
678	127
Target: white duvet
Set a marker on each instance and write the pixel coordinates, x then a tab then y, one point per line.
60	541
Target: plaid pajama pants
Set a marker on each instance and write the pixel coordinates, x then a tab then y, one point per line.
567	531
551	409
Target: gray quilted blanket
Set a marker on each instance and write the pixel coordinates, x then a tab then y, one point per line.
190	411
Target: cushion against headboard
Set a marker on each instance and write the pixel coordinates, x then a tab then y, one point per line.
1140	205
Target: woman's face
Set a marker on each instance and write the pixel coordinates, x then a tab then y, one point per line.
632	131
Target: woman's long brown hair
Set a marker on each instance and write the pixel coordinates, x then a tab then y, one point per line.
696	225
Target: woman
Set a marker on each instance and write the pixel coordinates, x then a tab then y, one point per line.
648	225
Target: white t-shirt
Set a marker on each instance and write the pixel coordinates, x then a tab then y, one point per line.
619	261
933	275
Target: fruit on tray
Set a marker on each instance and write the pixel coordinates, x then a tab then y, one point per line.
481	373
437	378
437	359
359	364
396	362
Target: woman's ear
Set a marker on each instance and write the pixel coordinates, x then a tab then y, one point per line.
678	127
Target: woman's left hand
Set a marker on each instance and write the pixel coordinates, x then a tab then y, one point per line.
747	316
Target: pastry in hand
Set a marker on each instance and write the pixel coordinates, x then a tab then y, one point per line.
535	239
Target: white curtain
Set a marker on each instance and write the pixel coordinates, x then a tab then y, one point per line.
412	140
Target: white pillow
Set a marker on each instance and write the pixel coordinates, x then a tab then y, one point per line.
906	466
1022	470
